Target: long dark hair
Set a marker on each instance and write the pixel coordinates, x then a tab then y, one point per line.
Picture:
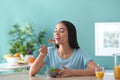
72	36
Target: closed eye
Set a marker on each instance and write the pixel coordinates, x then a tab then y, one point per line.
61	30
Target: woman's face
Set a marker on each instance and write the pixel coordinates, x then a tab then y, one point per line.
61	34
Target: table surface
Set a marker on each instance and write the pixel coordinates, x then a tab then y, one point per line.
25	76
6	66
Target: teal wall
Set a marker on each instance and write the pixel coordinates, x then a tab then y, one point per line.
44	14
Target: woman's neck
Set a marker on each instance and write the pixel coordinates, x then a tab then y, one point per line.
65	51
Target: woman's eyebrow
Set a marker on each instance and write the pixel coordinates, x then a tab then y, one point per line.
60	28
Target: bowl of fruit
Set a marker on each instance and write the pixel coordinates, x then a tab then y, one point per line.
12	59
53	72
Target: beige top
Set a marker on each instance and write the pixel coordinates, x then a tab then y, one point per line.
25	76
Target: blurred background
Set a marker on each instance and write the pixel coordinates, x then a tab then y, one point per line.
45	14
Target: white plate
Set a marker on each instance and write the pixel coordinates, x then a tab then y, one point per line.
6	66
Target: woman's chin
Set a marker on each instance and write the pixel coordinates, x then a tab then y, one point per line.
57	42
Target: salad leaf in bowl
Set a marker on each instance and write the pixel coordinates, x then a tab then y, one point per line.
53	72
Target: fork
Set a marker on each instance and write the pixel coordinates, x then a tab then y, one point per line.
46	45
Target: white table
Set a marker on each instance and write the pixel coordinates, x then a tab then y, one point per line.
6	67
25	76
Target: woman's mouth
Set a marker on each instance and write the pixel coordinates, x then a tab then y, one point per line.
57	38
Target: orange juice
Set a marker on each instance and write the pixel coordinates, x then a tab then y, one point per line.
99	74
117	72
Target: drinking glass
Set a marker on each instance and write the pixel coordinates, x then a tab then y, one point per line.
99	72
117	65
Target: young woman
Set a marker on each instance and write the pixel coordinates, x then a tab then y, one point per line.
66	55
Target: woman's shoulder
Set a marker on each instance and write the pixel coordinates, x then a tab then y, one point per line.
81	51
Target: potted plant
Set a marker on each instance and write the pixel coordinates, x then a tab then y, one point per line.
24	39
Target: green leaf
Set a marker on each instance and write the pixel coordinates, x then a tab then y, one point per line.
52	69
24	38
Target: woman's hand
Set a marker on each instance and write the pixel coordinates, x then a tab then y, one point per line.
65	72
43	50
39	62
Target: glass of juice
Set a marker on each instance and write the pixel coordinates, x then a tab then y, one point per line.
99	72
117	72
117	65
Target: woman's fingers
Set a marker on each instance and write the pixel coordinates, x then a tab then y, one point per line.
60	72
43	50
64	67
65	72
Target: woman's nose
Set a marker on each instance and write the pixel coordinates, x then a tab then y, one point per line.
56	32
